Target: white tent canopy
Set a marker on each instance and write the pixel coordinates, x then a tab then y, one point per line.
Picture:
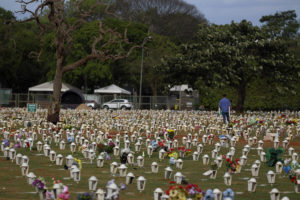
48	87
180	88
112	89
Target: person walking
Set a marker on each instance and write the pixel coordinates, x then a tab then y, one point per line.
224	106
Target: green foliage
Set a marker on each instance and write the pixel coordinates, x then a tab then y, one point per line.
273	156
14	53
231	55
175	19
281	24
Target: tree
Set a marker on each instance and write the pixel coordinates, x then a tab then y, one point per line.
14	51
281	24
108	44
232	55
96	73
173	18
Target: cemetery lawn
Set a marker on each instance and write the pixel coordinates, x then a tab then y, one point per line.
14	186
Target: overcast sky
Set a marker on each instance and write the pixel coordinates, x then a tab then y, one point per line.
223	11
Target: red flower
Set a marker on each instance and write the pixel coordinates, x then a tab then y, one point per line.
189	186
228	159
168	192
230	162
172	187
161	144
172	182
237	160
223	156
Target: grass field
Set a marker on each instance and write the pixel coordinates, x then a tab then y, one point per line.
14	186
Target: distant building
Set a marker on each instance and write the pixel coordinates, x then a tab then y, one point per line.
186	97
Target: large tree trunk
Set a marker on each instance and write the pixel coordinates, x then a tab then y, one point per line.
241	98
54	108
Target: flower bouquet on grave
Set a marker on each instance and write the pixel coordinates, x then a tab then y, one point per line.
154	145
58	191
171	134
104	147
179	192
183	152
84	196
294	175
40	187
77	162
273	156
39	184
232	166
161	145
290	122
67	126
172	153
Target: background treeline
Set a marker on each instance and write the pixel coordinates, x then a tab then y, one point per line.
258	67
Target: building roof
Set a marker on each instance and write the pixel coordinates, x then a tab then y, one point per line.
48	87
112	89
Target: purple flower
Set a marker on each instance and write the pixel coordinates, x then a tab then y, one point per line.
41	185
111	144
191	192
34	182
123	186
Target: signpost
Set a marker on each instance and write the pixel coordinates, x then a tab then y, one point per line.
31	107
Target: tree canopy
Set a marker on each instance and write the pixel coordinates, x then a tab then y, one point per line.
231	55
252	64
173	18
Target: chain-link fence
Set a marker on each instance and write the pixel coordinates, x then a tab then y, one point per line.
147	102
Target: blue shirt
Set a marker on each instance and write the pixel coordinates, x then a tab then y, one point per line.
224	104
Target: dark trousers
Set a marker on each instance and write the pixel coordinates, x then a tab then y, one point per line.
225	114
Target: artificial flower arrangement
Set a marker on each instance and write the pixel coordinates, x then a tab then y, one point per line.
78	162
67	126
104	147
293	121
154	145
181	192
173	154
63	195
273	156
293	177
171	134
39	183
292	170
180	151
232	166
85	196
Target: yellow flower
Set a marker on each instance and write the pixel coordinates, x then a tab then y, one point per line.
199	196
79	162
173	193
174	155
181	196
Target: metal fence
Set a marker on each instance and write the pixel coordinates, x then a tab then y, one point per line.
147	102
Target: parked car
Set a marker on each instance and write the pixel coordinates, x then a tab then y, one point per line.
92	104
117	104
